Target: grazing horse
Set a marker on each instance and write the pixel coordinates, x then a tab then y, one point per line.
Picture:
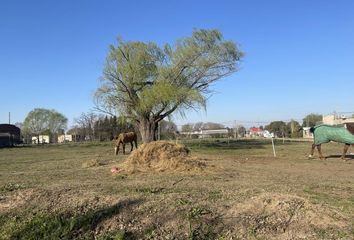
326	133
124	138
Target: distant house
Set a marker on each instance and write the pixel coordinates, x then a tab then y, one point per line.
68	138
254	131
306	132
40	139
267	134
9	135
336	119
222	132
258	132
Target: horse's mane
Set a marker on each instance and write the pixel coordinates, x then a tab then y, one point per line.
312	129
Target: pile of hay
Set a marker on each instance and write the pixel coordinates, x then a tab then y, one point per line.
92	163
162	156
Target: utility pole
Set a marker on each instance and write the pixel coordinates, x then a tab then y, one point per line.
9	117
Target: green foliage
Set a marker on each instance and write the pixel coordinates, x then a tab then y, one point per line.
197	212
112	235
294	129
198	229
182	201
9	187
311	120
279	128
147	83
150	232
187	127
40	120
148	190
60	226
168	129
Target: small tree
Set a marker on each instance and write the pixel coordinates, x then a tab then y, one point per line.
279	128
240	130
57	124
146	83
311	120
294	128
188	127
168	129
86	124
40	120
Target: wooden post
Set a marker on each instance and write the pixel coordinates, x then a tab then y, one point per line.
273	148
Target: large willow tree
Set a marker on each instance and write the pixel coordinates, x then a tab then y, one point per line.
146	83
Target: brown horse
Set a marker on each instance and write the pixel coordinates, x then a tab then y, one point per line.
124	138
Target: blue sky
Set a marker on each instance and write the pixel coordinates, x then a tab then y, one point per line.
299	55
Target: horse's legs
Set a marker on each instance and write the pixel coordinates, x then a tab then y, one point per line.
320	151
346	146
312	150
132	146
116	149
123	148
136	144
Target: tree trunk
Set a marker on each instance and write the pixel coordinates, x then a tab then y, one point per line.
147	130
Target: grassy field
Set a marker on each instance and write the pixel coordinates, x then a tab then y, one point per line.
68	192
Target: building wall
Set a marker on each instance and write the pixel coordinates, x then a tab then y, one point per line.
42	139
68	138
306	133
334	120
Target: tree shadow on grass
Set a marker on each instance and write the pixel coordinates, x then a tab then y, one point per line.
69	225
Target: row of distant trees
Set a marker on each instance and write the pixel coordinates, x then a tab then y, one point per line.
88	126
292	129
91	126
102	127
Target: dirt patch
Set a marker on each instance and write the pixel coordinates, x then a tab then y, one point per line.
162	156
51	200
283	216
14	199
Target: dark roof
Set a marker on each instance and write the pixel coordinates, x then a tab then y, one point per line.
9	128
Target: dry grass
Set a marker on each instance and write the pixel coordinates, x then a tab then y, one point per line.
249	194
162	156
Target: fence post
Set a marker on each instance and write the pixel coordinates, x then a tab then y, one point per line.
273	148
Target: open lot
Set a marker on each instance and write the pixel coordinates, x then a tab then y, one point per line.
68	192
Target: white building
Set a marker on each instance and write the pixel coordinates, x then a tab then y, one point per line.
336	120
208	133
306	132
68	138
40	139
